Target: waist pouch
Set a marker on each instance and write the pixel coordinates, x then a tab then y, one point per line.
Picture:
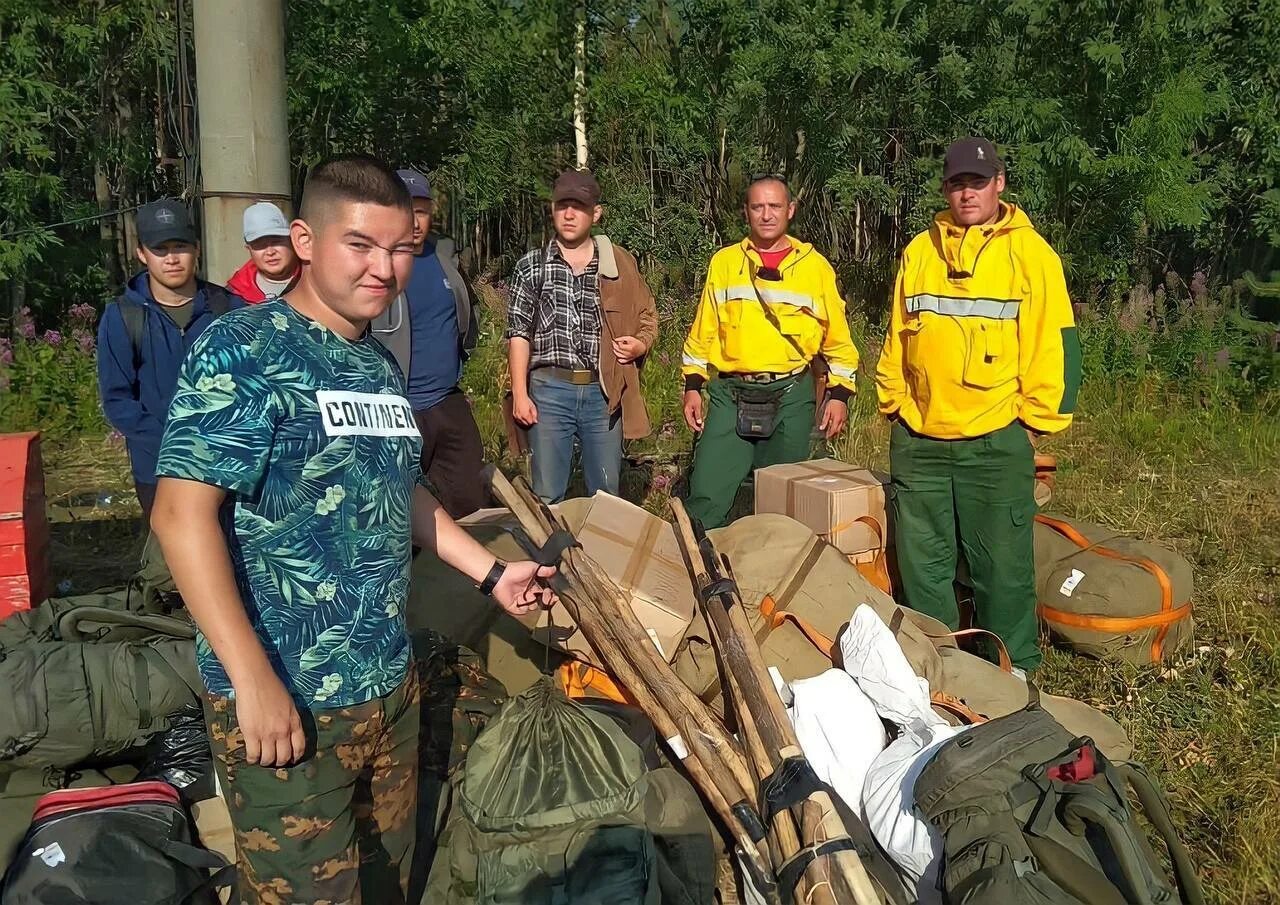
758	412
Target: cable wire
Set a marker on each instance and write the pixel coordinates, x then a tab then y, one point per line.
47	226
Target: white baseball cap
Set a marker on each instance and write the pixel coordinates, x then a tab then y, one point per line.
264	219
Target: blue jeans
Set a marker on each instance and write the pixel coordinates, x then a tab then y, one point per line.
567	411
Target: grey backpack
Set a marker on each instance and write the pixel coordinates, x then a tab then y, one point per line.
1030	814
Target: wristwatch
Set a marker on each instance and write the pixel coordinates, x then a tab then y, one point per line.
491	580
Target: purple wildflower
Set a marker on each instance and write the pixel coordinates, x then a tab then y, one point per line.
84	339
6	351
52	337
82	313
26	329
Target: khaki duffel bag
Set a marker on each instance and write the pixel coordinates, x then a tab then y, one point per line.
1110	596
800	593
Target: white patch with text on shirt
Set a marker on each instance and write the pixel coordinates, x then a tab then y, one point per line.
348	414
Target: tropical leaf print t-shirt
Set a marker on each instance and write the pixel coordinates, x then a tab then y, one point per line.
312	435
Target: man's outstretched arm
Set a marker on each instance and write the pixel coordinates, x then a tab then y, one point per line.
516	591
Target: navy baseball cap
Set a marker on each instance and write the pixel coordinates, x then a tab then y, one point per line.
417	184
166	220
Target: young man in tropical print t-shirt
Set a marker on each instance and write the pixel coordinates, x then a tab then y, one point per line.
297	414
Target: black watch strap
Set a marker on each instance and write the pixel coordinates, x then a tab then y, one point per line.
491	580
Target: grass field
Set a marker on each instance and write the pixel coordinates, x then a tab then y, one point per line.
1145	459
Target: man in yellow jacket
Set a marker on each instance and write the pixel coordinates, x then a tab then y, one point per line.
769	307
981	358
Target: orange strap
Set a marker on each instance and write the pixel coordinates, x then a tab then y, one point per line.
1006	664
581	680
1166	617
876	528
954	705
877	573
1117	624
774	617
1001	651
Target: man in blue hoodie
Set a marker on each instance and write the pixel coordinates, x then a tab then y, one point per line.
145	333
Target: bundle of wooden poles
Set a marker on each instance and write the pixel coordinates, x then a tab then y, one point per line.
792	843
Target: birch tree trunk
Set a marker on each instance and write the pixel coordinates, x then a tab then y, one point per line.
580	85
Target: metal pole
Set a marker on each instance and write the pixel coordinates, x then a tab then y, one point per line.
244	133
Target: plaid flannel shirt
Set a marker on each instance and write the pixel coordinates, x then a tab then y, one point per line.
556	310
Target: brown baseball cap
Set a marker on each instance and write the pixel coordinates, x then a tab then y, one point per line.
971	155
576	185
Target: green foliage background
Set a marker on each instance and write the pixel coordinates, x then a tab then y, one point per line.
1142	135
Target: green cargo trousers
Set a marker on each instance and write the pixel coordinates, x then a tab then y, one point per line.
339	825
979	492
722	459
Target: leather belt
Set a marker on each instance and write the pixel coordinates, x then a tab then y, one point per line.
764	376
570	375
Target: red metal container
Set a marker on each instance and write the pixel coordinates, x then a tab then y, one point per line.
24	529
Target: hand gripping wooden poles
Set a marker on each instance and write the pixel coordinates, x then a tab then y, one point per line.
834	871
694	735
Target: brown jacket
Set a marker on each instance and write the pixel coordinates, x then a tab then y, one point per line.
628	310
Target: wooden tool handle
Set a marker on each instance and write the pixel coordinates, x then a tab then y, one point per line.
594	604
838	878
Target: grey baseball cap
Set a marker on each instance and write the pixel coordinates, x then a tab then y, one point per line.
163	221
264	219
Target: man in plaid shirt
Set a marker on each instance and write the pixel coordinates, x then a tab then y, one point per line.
579	324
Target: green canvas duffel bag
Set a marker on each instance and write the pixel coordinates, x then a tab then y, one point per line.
101	673
556	804
1109	596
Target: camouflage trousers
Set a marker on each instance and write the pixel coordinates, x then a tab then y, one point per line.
337	827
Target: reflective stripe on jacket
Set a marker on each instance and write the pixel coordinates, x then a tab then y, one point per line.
981	333
748	325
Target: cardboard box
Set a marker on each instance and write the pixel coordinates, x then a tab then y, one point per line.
842	503
639	551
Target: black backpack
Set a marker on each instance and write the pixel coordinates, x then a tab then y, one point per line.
135	316
119	845
1030	814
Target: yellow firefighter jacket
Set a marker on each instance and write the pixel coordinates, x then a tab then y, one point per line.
748	325
981	333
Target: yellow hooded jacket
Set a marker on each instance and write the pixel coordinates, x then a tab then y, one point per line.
981	333
748	325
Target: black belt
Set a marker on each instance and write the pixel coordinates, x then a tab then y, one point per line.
578	377
763	376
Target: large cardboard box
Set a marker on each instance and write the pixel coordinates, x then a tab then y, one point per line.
842	503
639	551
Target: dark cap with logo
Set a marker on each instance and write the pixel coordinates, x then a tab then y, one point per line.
166	220
417	184
577	185
975	156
